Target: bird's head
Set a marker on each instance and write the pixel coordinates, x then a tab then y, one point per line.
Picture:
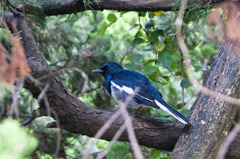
109	68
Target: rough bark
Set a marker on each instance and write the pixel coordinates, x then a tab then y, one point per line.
212	118
56	7
78	117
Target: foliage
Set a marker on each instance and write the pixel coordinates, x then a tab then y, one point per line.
119	150
144	42
16	142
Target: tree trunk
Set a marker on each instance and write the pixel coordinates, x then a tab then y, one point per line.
212	118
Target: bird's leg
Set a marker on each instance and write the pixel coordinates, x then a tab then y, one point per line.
139	108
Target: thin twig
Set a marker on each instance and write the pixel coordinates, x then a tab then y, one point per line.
43	92
131	133
15	94
114	139
59	133
100	132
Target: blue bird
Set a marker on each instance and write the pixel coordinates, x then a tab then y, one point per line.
121	83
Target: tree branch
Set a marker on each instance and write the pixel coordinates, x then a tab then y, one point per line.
57	7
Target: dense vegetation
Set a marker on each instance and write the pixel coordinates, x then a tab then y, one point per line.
140	41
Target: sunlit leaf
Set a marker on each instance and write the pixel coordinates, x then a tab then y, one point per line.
158	13
173	65
111	17
139	34
159	46
155	153
149	61
105	25
100	33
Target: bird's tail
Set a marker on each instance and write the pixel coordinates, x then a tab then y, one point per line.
166	107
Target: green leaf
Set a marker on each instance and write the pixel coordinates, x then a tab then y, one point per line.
129	56
174	65
159	46
100	33
155	34
152	77
163	83
136	58
166	78
130	66
158	13
138	34
155	153
166	61
137	41
102	144
192	53
185	83
149	61
105	25
163	54
134	26
16	141
176	57
149	24
197	68
111	17
119	150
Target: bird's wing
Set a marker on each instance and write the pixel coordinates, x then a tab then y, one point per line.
142	96
147	94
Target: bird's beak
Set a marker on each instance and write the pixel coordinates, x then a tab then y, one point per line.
97	70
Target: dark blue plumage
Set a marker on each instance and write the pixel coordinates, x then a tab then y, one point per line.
121	83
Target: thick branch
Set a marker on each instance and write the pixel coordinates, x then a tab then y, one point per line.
78	117
56	7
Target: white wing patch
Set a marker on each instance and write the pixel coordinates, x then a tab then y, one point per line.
126	89
145	97
167	110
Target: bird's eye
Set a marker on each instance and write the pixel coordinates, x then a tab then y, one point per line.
105	68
